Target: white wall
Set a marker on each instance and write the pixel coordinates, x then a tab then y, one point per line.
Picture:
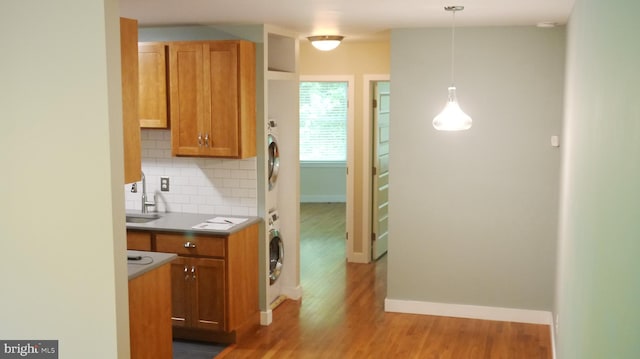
196	185
599	265
62	231
473	215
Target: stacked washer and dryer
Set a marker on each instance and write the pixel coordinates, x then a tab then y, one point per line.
275	243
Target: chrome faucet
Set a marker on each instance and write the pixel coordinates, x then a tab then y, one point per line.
146	204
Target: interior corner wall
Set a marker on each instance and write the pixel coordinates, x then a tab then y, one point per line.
598	288
473	214
62	230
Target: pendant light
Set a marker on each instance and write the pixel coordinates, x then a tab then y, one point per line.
452	118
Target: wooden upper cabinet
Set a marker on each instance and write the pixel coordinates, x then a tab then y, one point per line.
152	58
212	98
130	124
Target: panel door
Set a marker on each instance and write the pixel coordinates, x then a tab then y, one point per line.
186	83
222	99
181	279
380	186
130	125
152	85
209	292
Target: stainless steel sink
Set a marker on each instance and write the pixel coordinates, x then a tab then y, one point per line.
141	217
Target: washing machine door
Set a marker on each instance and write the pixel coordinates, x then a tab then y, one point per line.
276	255
274	160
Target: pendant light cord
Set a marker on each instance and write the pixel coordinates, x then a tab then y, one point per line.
453	42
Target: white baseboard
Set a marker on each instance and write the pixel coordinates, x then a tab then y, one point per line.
322	198
294	293
469	311
266	318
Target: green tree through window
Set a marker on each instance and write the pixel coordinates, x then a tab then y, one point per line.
323	121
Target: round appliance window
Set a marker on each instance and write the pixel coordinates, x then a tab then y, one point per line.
274	161
276	255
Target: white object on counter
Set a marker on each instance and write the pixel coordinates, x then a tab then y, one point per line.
213	226
227	220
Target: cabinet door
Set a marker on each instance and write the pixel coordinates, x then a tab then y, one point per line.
186	98
130	125
222	98
152	85
209	291
181	279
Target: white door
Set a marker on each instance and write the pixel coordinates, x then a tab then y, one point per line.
380	185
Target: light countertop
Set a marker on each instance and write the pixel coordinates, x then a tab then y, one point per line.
184	223
148	262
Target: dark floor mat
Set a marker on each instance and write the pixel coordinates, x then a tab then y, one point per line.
195	350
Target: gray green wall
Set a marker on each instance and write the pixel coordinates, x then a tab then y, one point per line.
598	292
473	215
323	183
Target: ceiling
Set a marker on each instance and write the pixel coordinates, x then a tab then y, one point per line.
355	19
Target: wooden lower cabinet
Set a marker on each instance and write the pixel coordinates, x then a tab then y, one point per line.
149	323
197	293
214	283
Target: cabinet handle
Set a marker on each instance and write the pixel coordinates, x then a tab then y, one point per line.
189	245
193	272
206	140
199	140
186	272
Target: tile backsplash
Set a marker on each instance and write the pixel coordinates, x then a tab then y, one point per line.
197	185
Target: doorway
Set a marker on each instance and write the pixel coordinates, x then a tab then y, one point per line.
326	146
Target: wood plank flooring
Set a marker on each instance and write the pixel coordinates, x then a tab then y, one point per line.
341	314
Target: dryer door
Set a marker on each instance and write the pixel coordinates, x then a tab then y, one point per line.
274	160
276	255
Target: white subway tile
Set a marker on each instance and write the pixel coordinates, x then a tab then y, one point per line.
204	209
154	135
190	208
198	185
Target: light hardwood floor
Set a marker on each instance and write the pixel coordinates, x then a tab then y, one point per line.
341	314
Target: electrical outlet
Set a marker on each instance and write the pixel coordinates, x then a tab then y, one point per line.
164	184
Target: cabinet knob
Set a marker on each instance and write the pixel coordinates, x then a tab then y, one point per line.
186	272
189	245
199	140
206	140
193	272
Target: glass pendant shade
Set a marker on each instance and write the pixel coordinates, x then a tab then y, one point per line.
452	118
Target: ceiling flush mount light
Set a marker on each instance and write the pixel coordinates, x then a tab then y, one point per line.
452	118
325	42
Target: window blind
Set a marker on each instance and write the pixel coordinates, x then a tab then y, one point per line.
323	121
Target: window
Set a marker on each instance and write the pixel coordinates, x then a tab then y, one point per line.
323	121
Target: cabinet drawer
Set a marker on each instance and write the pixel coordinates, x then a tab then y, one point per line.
139	241
190	245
